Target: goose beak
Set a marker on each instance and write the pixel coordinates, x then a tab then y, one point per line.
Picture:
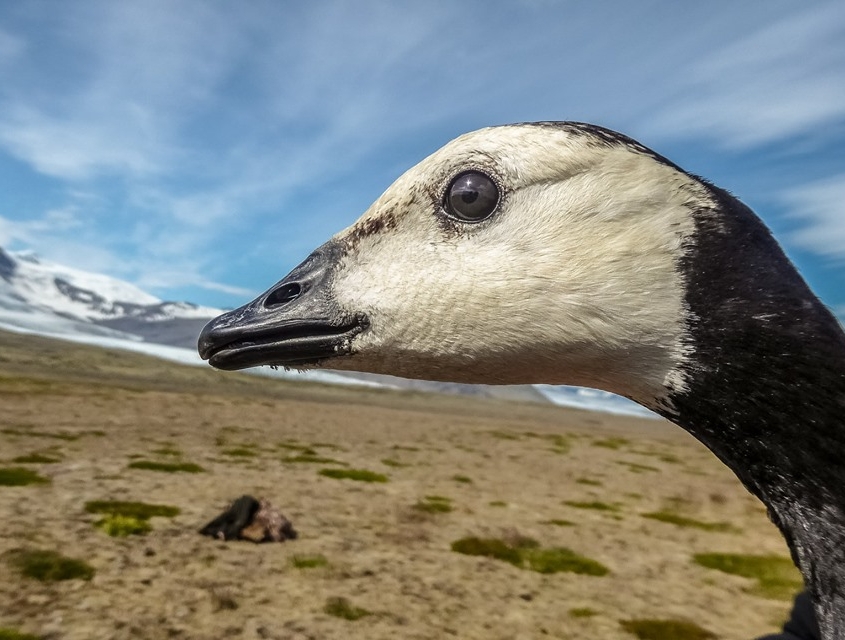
293	324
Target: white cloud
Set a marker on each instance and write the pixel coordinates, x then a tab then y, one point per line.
117	83
28	232
781	80
820	207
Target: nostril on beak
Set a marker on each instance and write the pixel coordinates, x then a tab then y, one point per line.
284	294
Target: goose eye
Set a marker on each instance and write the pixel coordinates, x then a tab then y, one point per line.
471	197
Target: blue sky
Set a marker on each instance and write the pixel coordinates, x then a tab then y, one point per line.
202	149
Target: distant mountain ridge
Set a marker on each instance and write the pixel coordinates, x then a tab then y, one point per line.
44	296
47	298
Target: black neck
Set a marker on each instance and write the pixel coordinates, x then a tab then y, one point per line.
767	390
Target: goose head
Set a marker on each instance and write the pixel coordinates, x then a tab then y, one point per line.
543	253
565	253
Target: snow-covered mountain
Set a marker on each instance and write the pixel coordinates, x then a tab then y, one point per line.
38	296
46	297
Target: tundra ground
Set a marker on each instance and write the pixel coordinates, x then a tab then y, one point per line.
373	559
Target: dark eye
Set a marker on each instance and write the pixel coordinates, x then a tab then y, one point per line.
471	196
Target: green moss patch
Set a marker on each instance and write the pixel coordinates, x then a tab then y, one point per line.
240	452
166	467
596	505
563	560
526	553
167	450
559	523
36	458
301	448
611	443
434	504
49	566
650	629
139	510
19	477
128	518
777	578
342	608
12	634
588	482
682	521
122	526
390	462
489	548
57	435
310	458
560	444
361	475
309	561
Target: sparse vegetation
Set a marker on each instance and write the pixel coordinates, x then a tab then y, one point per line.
559	523
611	443
309	561
596	505
35	458
526	553
489	548
123	519
301	448
777	578
140	510
462	479
49	566
119	526
390	462
310	458
361	475
434	504
167	450
12	634
19	477
561	559
240	452
168	413
560	443
650	629
589	482
166	467
342	608
671	517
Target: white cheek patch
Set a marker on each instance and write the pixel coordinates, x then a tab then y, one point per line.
574	281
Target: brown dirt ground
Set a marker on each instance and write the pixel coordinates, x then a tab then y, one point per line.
383	555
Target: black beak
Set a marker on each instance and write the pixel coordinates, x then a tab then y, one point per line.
295	323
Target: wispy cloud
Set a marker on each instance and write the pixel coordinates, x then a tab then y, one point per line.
782	79
124	78
820	208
